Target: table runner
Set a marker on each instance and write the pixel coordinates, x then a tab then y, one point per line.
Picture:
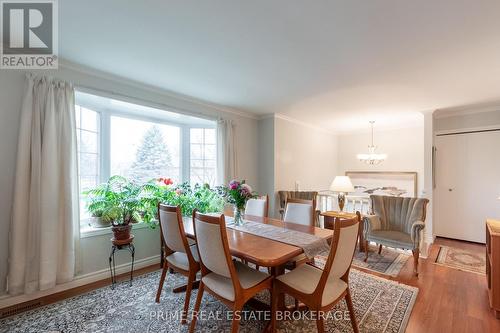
310	244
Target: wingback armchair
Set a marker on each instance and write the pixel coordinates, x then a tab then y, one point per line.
396	222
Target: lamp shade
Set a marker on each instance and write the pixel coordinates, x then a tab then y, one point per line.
342	184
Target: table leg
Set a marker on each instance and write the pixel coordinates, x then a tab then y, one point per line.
181	289
112	268
275	272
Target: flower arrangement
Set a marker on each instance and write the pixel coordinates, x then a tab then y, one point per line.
237	194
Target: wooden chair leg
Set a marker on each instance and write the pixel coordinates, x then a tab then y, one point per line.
162	280
380	249
236	317
189	287
416	254
274	309
196	307
350	307
320	325
366	250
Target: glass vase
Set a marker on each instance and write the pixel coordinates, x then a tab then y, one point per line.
238	216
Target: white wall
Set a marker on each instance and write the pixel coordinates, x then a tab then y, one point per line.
266	159
404	147
95	250
303	154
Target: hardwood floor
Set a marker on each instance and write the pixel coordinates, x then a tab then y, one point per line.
449	300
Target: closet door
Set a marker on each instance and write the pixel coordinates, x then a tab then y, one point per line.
467	184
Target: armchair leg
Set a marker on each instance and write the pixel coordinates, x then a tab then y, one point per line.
416	253
366	250
380	249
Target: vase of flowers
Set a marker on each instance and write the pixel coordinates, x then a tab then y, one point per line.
237	194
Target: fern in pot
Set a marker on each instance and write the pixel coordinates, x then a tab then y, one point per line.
121	203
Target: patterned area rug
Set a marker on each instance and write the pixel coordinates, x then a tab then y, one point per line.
380	306
389	262
462	260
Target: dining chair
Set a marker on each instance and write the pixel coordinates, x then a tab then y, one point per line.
258	206
322	289
230	281
180	255
300	211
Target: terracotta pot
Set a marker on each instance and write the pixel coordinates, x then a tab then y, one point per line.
121	232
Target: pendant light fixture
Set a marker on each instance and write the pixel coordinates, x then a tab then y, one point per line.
372	158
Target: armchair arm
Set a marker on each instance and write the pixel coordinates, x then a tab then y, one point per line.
371	222
416	227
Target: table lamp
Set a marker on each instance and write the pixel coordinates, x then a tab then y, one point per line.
342	185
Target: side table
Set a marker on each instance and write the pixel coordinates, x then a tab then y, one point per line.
330	217
121	244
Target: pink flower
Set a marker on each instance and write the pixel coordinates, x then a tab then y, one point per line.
178	191
246	189
233	184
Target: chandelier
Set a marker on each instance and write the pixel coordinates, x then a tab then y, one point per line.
372	158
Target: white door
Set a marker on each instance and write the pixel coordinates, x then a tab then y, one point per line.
467	184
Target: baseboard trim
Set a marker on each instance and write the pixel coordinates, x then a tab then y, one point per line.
80	281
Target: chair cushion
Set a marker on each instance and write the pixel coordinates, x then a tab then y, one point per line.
180	259
305	278
391	238
223	286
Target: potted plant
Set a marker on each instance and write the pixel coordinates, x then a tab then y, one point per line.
121	204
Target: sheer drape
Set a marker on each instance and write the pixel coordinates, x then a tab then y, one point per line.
226	152
44	229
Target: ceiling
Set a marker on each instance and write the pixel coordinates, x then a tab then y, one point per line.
335	64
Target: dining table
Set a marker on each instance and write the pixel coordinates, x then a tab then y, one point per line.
262	251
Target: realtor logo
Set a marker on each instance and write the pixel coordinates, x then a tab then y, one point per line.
29	34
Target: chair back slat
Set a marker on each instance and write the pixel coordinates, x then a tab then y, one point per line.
345	235
300	211
257	207
211	247
170	228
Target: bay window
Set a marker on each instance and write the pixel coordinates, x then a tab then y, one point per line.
141	143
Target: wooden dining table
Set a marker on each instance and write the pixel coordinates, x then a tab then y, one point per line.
263	251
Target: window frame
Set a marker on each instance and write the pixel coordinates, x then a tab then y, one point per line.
104	133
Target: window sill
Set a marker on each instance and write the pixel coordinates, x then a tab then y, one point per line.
89	231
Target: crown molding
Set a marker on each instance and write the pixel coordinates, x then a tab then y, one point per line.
66	64
467	110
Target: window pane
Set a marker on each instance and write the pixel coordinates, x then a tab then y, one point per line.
210	153
88	164
196	152
203	154
88	132
88	142
142	150
197	135
210	136
89	120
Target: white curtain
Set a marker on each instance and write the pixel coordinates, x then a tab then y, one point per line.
227	167
44	228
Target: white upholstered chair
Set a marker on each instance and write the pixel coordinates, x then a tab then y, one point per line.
322	289
300	211
180	255
258	207
232	282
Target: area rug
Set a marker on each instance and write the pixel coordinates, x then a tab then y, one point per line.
388	262
463	260
380	305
